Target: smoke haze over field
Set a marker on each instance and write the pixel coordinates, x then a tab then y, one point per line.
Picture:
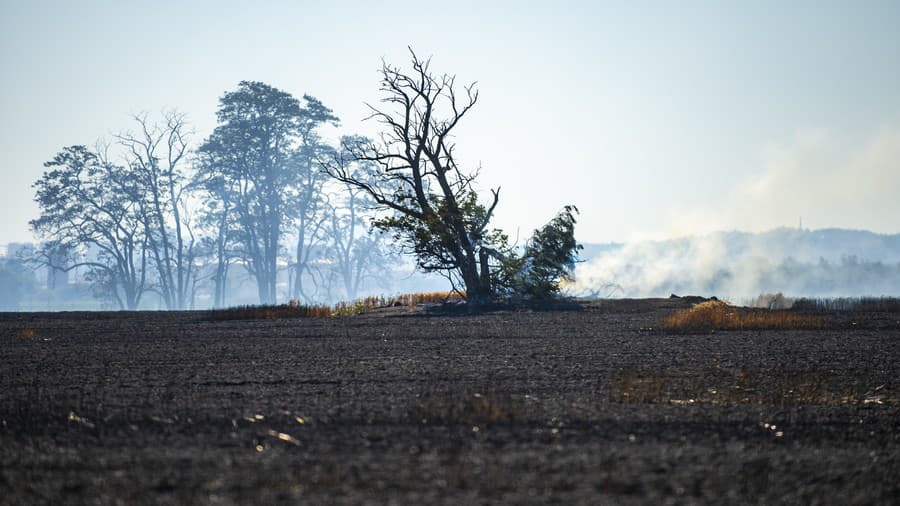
739	266
819	178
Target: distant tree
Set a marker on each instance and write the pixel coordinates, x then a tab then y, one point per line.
157	157
435	210
357	254
90	205
249	157
216	219
308	204
258	165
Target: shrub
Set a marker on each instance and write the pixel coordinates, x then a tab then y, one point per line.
547	260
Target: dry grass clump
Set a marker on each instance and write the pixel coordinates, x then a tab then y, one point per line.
294	309
290	310
466	409
26	333
413	299
741	387
714	315
403	300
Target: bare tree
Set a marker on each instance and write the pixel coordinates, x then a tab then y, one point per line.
435	211
157	155
357	254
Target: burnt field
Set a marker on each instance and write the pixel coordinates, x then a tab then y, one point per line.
585	403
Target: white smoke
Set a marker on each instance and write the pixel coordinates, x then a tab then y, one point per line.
739	266
819	177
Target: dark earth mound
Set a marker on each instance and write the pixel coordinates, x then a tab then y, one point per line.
583	404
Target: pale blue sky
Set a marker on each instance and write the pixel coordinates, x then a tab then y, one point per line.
654	118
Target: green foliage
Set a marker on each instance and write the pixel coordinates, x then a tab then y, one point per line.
433	236
548	259
354	308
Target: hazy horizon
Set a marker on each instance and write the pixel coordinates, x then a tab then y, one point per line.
656	121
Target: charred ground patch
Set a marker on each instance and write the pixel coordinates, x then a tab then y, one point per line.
519	405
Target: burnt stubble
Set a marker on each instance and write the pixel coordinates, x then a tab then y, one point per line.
586	403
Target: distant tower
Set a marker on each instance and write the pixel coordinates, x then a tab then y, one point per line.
801	223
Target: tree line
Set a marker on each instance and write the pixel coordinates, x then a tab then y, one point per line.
151	212
162	215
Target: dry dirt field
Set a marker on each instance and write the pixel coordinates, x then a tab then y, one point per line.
580	404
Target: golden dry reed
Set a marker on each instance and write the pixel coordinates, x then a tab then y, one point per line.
717	315
293	309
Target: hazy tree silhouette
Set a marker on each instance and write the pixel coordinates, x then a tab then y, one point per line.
91	205
157	157
356	254
216	219
257	171
308	206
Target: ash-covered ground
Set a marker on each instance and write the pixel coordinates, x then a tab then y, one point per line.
584	403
